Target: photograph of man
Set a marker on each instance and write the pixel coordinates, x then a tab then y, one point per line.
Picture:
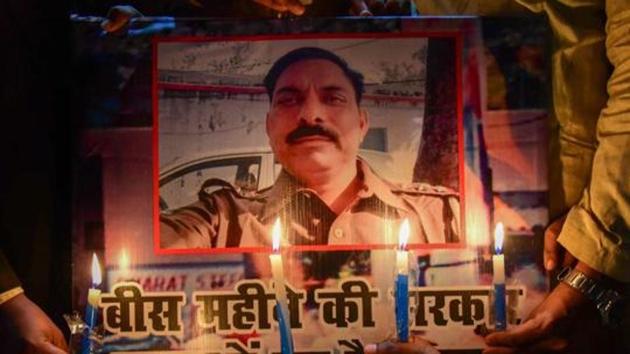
325	194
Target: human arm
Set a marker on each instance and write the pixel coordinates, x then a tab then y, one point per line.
193	226
295	7
360	8
40	335
597	229
595	236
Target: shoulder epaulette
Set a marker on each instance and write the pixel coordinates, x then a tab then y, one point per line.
425	189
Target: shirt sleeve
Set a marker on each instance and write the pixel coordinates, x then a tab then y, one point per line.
471	7
589	136
597	229
8	279
193	226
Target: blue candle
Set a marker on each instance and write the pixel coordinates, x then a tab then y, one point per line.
91	309
402	307
498	279
402	284
284	324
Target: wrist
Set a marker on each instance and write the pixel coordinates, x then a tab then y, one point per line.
10	294
595	287
12	306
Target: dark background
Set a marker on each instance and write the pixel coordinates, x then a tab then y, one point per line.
36	149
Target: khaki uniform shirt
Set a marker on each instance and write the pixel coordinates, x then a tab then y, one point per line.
590	133
229	218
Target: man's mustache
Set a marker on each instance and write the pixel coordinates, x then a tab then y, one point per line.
311	130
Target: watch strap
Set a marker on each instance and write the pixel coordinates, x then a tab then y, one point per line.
603	297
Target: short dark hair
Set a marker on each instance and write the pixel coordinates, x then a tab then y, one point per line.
307	53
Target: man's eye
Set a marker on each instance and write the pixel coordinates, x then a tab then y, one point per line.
336	99
286	100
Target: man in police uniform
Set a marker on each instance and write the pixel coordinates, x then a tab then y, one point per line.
325	194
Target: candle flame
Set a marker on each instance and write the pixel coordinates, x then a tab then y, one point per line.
403	234
276	232
498	238
123	261
96	271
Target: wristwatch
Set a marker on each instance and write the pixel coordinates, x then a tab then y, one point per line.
609	302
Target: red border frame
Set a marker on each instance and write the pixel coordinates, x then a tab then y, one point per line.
455	34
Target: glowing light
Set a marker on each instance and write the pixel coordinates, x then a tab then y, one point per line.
498	238
276	233
403	234
123	261
97	278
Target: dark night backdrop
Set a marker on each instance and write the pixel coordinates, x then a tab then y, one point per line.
36	149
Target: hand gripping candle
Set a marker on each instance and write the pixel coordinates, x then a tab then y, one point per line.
498	279
402	284
282	306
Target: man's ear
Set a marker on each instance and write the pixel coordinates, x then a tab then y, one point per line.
364	122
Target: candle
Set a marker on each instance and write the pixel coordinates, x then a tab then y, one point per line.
402	284
123	261
123	265
498	279
91	309
282	307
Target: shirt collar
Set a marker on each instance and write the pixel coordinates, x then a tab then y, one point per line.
286	186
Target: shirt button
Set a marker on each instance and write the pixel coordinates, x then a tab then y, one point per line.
338	233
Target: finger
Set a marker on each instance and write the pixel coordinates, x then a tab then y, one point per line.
295	7
297	10
273	4
45	347
118	17
59	341
499	350
530	331
552	249
550	345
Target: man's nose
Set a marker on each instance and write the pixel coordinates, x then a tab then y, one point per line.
311	110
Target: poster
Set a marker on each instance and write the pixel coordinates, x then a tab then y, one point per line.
188	106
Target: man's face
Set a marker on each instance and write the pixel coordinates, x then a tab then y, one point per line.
314	122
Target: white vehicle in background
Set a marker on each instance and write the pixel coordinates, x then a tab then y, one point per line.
251	170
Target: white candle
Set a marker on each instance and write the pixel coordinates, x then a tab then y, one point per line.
277	268
498	260
91	309
94	294
402	255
